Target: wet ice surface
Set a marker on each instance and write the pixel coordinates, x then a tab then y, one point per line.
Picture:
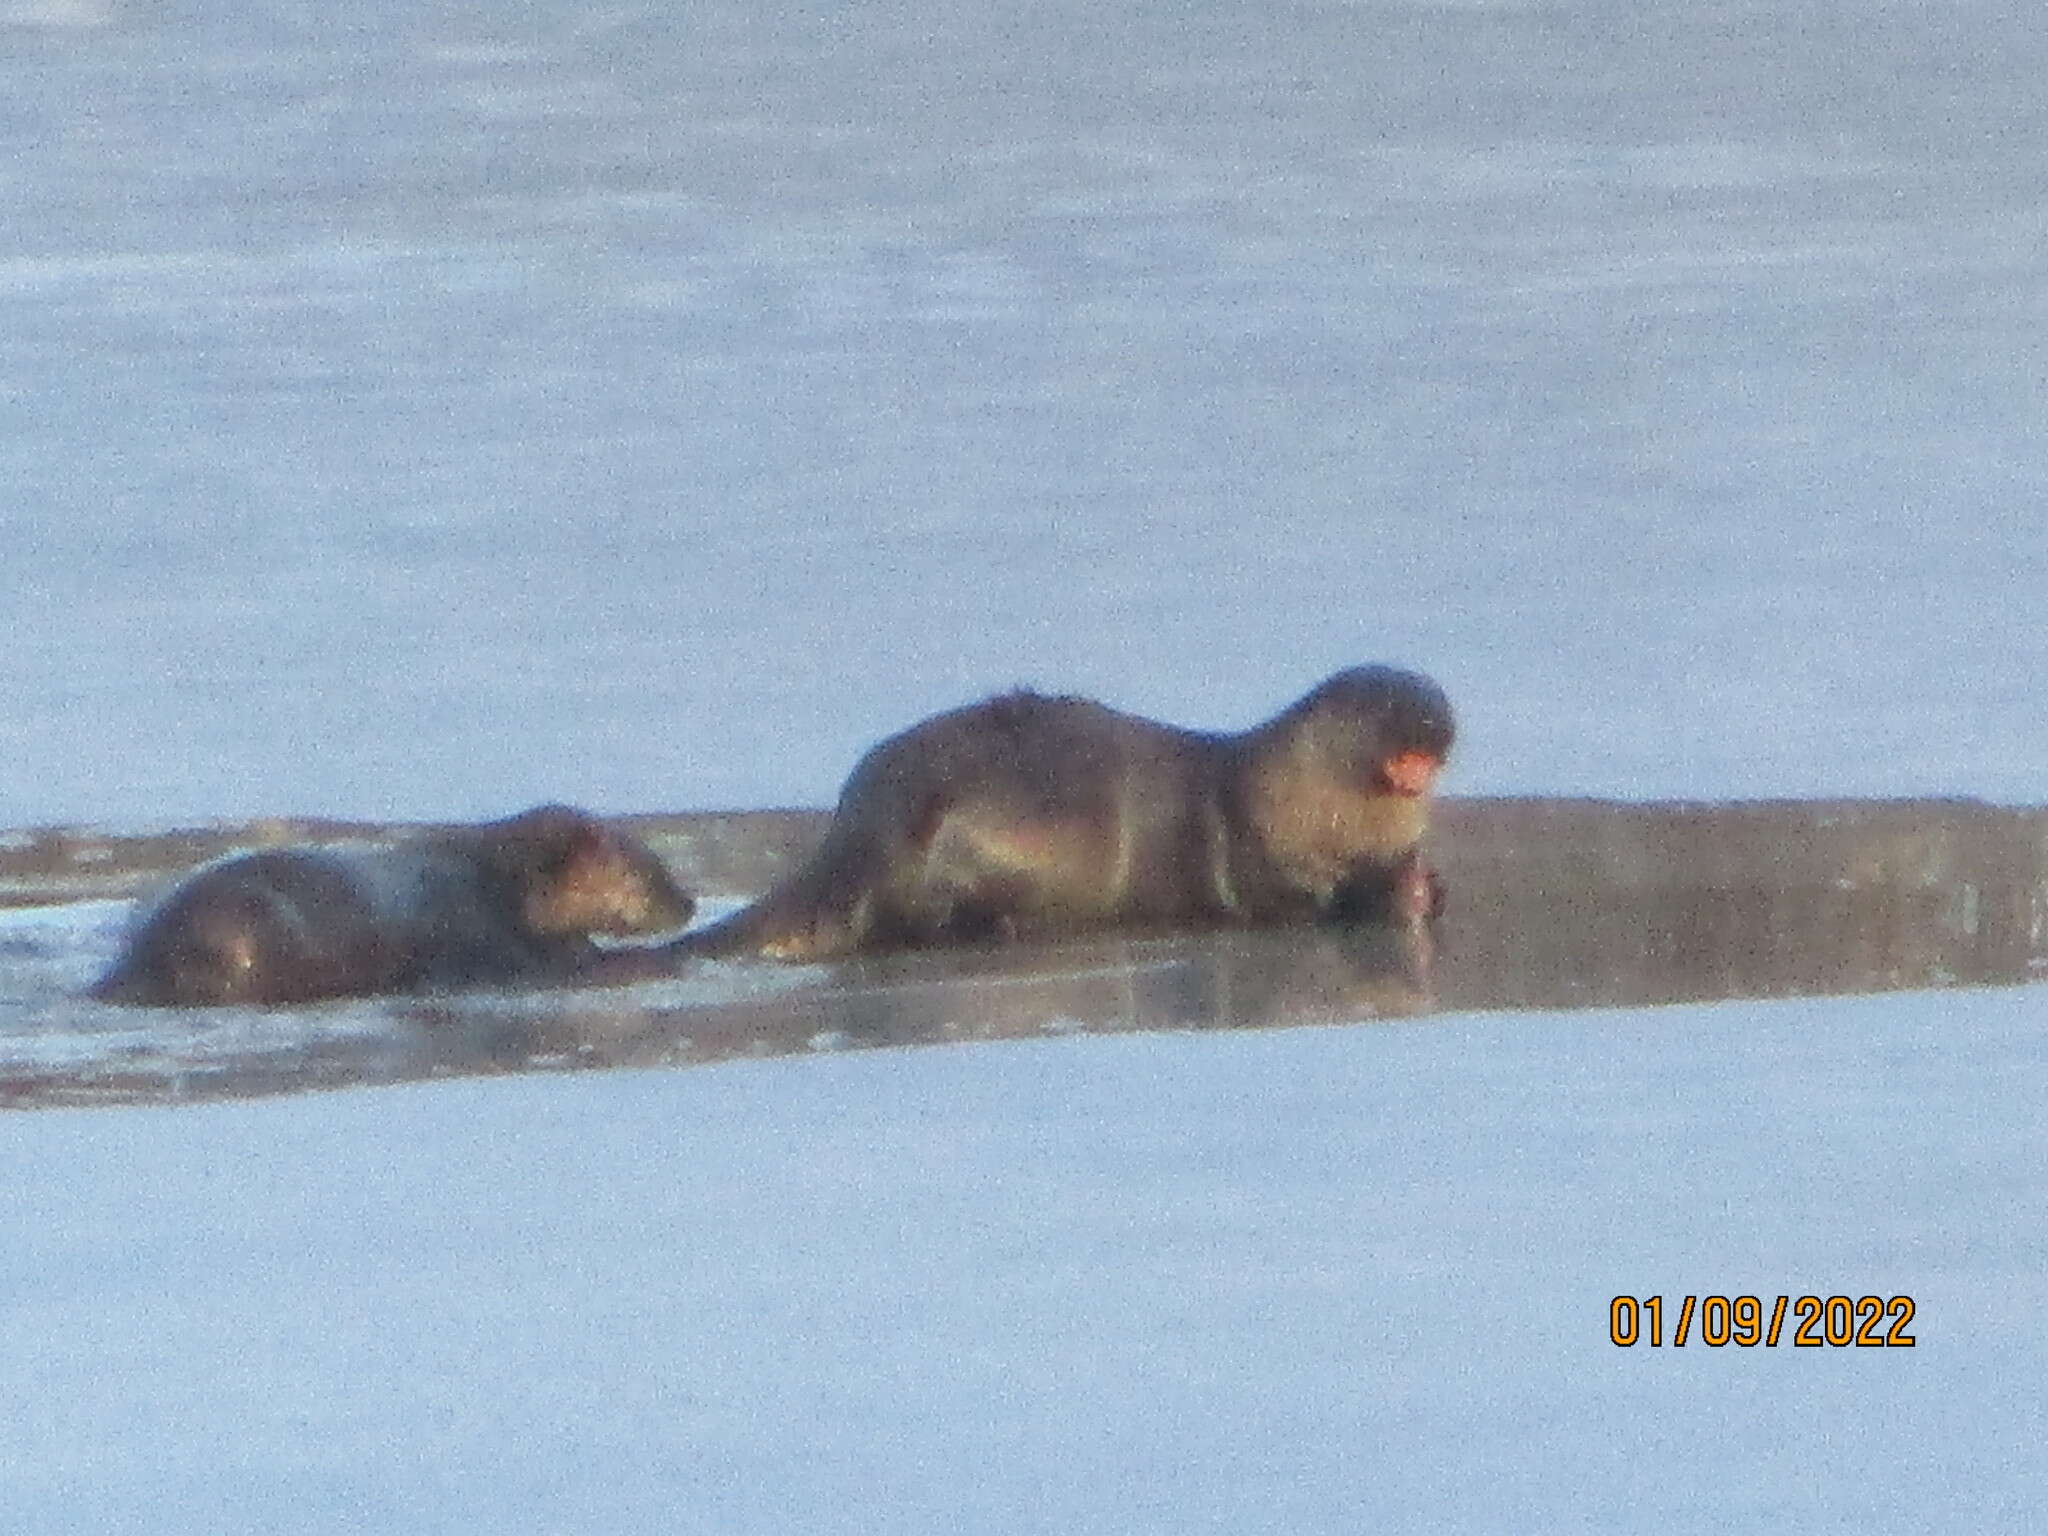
1556	904
421	413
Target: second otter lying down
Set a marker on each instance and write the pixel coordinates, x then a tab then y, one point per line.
512	901
1031	817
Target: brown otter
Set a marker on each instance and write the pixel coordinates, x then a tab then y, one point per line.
507	901
1030	817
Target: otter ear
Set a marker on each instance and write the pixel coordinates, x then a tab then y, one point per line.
554	835
550	821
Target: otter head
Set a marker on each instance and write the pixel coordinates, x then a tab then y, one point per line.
1380	729
191	954
1340	782
579	876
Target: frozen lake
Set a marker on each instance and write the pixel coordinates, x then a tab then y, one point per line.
1314	1281
421	412
434	410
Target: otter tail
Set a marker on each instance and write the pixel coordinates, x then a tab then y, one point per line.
780	925
737	933
821	910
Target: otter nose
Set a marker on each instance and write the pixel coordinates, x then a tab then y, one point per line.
1410	773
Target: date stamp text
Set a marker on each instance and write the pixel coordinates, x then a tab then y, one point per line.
1805	1322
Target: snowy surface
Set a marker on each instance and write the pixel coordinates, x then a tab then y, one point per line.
425	411
1310	1281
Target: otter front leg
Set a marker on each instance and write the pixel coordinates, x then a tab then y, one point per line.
1408	893
1421	893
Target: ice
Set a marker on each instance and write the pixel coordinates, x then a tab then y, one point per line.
442	412
1309	1281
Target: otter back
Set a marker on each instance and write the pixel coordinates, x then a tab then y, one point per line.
1027	817
507	902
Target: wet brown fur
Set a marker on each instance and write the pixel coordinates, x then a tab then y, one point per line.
1028	816
511	901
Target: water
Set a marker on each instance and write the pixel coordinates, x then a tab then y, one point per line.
426	411
1555	905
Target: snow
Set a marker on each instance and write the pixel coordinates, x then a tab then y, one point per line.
433	411
1329	1279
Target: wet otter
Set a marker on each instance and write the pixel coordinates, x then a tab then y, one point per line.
507	901
1027	816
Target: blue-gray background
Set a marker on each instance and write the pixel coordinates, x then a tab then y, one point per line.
422	410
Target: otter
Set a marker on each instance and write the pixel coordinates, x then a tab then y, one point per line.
511	901
1030	817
